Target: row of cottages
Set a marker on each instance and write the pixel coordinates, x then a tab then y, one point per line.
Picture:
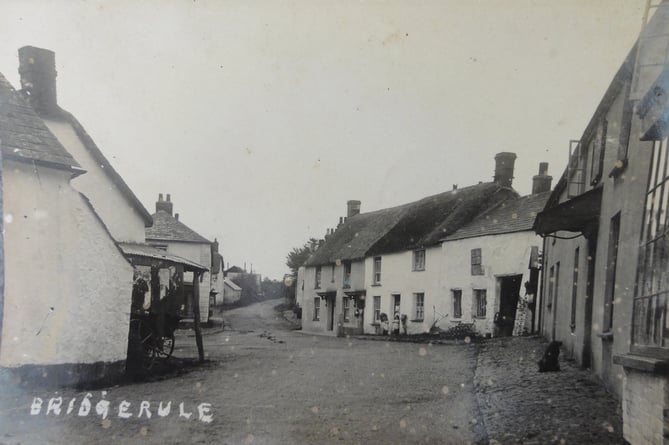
74	239
606	245
464	256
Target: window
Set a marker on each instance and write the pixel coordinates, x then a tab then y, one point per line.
574	290
456	294
419	259
477	268
317	284
480	303
650	325
598	151
611	264
332	273
419	305
347	309
347	274
377	308
317	309
377	270
577	167
549	286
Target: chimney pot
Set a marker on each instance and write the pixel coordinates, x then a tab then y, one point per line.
37	67
165	206
176	216
504	163
455	186
352	207
541	182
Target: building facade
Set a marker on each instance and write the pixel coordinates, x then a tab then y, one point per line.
605	257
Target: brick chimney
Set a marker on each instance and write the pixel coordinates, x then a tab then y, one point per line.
542	182
165	206
352	208
504	163
37	67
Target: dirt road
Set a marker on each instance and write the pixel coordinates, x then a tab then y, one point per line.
267	384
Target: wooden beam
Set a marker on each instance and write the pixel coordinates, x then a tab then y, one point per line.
196	315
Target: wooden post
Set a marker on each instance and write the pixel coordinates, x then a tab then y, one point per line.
196	315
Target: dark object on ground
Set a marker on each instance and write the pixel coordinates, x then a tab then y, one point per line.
549	362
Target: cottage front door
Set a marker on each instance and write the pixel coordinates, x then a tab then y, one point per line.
509	291
331	299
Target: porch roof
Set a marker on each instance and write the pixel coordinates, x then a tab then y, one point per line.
580	214
139	251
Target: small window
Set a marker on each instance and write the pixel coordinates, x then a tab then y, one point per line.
419	305
377	308
419	259
377	270
347	275
456	294
347	309
317	284
480	302
477	267
317	309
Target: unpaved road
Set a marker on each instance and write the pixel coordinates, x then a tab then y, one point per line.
268	384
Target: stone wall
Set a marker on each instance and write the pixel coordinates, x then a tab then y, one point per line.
646	408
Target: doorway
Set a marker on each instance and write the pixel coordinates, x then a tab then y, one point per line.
509	292
331	300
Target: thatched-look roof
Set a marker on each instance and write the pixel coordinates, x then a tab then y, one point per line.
417	224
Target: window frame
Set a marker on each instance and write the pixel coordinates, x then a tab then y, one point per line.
376	274
346	279
419	306
376	314
318	277
317	309
457	309
650	335
480	310
346	308
418	263
477	262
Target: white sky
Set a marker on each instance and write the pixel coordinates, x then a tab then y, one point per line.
262	119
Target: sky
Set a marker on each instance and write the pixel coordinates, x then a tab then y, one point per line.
262	118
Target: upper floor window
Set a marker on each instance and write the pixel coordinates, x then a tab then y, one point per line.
419	306
477	264
598	152
650	325
377	270
419	259
319	273
347	274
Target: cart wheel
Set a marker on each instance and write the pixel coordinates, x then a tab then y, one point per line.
147	339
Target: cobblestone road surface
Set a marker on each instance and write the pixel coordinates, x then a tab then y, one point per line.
521	405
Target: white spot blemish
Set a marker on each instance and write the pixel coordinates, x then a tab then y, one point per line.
9	218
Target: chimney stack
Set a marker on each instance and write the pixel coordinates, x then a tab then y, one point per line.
165	206
504	163
37	67
542	182
352	208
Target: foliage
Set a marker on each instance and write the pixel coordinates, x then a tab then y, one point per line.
299	255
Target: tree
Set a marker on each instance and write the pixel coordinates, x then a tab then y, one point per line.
299	255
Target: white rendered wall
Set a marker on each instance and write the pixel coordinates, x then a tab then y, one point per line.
121	218
68	287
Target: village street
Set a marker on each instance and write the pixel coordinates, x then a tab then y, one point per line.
269	384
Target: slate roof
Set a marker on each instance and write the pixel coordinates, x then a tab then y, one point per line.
409	226
23	134
515	215
231	284
146	251
168	228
